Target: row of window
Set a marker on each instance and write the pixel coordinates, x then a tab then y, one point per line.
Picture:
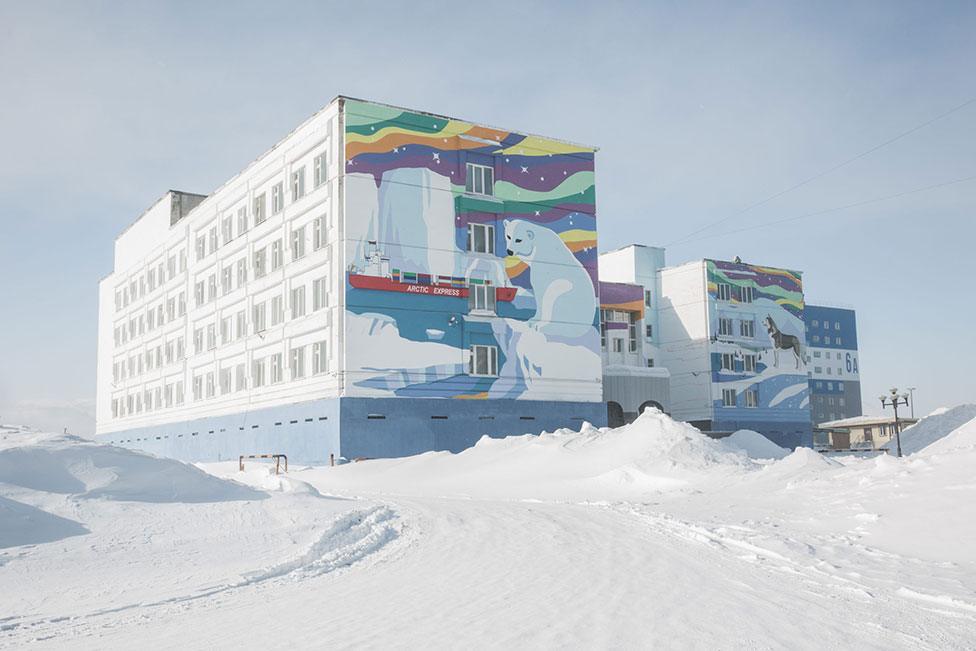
725	292
827	340
749	361
828	370
830	400
750	398
155	317
205	337
826	324
264	371
207	241
155	276
747	327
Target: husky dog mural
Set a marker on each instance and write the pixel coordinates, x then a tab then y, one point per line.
757	312
474	257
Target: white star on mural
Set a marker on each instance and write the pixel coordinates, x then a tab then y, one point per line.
525	170
395	150
437	157
536	213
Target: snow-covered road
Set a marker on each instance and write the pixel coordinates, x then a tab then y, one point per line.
426	552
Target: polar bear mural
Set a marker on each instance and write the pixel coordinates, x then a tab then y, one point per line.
564	296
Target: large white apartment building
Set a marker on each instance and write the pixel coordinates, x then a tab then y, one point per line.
361	289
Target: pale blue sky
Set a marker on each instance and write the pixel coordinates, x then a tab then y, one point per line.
699	110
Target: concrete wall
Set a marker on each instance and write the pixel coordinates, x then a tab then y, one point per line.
684	346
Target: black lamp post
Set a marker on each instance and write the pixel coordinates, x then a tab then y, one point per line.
893	401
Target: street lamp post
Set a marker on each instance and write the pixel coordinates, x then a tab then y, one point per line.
893	401
911	393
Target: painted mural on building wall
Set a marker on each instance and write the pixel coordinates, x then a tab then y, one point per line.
758	346
472	261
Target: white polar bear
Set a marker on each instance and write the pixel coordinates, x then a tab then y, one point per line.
564	297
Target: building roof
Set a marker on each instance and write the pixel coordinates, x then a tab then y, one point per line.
863	421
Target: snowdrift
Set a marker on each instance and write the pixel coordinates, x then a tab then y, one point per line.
654	453
23	524
755	445
933	427
960	440
70	465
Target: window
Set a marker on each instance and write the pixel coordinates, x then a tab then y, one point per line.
297	363
197	387
224	381
318	233
277	197
151	279
724	292
647	298
277	310
180	348
276	257
198	340
483	361
480	179
257	372
227	279
481	297
210	385
241	324
320	362
298	243
241	272
827	339
650	362
225	330
241	378
259	317
632	333
182	265
227	228
260	260
201	248
481	238
603	329
747	294
837	340
749	363
728	397
298	302
241	220
818	370
298	184
816	354
816	338
725	326
320	170
211	336
213	239
649	331
198	290
276	370
815	323
752	398
836	325
260	206
747	329
320	288
211	287
728	362
618	345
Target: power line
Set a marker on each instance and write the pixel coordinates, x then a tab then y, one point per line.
834	209
823	173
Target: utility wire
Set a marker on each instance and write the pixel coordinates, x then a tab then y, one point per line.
834	209
825	172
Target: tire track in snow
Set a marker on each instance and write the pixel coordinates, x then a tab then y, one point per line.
350	539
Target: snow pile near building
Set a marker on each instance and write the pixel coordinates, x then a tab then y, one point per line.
959	441
66	464
932	428
755	445
654	453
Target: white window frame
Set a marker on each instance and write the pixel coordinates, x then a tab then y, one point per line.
488	233
487	354
728	398
479	179
723	292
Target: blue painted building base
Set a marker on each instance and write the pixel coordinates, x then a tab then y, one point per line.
313	431
786	434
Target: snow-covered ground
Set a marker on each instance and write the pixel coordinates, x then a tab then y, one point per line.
650	534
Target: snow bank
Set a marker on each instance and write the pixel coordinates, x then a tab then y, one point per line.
70	465
755	445
23	524
932	428
961	439
653	453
